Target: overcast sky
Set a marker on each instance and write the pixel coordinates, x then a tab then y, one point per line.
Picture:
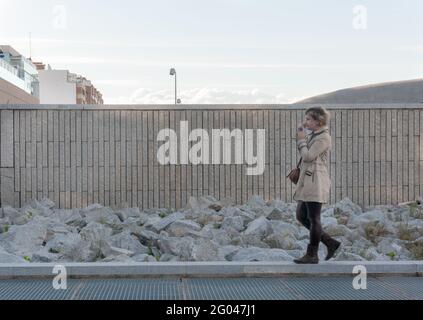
224	51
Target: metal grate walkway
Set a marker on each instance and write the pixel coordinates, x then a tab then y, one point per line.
280	288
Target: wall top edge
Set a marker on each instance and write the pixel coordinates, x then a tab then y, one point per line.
210	106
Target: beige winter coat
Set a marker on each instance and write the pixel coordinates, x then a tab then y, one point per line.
314	182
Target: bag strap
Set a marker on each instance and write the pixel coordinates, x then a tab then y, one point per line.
299	162
316	134
312	136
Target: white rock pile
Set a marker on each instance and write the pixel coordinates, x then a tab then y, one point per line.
206	230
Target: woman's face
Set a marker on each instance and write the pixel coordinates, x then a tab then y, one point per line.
311	124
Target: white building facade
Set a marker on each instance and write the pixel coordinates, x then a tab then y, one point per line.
57	87
18	77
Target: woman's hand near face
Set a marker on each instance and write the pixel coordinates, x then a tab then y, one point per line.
300	133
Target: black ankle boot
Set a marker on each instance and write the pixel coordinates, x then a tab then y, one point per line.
310	257
332	245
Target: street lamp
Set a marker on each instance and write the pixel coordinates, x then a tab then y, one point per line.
173	73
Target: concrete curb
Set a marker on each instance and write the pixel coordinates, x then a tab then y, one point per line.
209	269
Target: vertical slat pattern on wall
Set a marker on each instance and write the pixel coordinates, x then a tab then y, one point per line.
16	163
366	158
332	159
78	157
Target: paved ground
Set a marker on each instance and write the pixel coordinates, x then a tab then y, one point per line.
213	281
245	288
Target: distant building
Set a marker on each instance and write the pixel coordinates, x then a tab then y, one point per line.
86	93
64	87
18	78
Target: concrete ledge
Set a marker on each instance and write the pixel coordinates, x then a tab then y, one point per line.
420	269
203	107
208	269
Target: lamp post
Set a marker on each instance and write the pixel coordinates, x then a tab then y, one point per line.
173	73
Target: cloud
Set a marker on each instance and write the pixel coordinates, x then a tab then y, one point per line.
78	60
52	42
144	63
202	96
118	82
167	44
411	48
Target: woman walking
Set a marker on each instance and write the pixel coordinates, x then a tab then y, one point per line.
314	182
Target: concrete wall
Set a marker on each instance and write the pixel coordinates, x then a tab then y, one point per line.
80	155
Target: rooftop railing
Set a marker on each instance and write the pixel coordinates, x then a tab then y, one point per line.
4	64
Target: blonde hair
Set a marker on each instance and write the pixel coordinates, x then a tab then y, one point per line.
319	114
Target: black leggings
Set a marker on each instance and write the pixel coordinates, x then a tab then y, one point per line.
308	213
